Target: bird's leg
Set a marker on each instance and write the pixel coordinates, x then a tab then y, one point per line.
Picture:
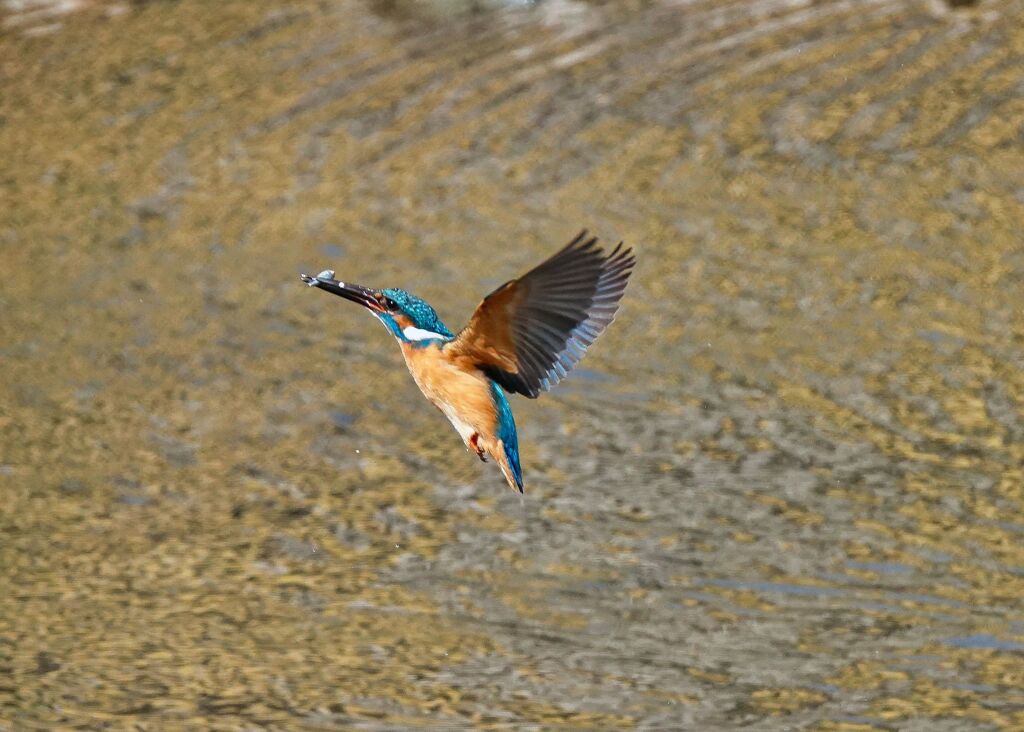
474	443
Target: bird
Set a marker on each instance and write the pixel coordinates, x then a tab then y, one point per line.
523	338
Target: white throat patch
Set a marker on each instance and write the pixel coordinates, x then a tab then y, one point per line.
418	334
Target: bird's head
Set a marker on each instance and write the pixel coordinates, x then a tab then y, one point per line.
409	318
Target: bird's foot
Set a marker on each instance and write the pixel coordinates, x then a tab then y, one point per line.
474	443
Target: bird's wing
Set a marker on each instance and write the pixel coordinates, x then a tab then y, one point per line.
531	331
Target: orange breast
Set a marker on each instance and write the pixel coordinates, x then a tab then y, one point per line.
463	395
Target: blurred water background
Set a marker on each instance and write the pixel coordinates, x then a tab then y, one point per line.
784	491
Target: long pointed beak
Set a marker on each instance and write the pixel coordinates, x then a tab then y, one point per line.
356	293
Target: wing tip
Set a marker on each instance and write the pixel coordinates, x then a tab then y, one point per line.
582	242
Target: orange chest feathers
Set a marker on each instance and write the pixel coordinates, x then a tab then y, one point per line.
456	391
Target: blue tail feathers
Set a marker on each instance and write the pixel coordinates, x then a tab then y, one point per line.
507	433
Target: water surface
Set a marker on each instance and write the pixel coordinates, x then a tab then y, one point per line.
786	493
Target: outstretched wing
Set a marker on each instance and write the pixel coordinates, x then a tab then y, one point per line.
530	332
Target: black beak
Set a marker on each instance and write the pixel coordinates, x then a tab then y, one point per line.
356	293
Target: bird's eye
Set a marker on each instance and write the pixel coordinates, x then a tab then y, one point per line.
390	304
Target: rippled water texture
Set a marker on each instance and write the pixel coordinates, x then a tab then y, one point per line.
785	490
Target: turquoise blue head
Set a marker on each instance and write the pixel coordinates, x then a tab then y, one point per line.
408	318
410	313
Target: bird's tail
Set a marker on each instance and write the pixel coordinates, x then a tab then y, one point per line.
507	458
507	452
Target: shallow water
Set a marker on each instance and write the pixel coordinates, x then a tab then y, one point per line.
785	490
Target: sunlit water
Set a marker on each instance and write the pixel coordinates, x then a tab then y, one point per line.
783	491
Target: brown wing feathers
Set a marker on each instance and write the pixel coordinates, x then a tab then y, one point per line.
530	332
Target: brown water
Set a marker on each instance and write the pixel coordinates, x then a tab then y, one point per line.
785	491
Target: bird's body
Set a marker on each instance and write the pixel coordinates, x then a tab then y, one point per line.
523	338
472	402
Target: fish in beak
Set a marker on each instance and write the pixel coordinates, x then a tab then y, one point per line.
356	293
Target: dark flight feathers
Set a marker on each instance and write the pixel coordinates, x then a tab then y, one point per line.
530	332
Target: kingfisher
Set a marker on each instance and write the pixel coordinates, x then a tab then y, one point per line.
523	338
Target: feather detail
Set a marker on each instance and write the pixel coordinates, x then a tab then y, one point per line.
530	332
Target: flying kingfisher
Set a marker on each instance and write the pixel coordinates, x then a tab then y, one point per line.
523	338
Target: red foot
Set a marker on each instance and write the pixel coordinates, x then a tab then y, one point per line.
473	443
